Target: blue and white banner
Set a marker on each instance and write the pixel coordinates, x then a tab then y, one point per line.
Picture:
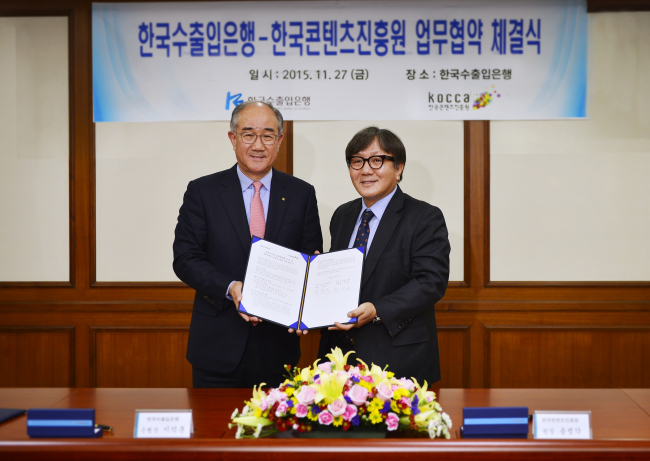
331	60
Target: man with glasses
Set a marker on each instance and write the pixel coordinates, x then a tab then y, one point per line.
406	268
220	214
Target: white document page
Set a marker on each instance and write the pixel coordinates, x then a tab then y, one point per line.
333	287
274	282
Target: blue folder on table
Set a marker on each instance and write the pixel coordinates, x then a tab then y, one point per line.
69	422
495	423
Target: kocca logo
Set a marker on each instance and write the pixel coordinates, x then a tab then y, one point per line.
235	99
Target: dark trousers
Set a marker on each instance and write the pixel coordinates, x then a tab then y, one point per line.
251	371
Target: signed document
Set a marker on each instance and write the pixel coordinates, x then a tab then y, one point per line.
300	291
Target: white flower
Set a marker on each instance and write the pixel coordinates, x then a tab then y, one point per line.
447	420
439	430
240	429
246	410
437	407
259	430
446	433
234	414
432	428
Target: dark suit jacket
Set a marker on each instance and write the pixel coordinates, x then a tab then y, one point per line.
211	250
405	273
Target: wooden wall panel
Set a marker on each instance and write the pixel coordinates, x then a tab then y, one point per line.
140	357
454	343
309	349
568	357
37	357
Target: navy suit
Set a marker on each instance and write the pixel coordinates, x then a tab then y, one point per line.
211	247
405	273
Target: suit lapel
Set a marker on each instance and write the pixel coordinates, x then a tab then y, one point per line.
278	204
387	225
341	240
233	202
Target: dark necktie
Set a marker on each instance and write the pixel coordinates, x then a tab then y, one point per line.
364	230
344	338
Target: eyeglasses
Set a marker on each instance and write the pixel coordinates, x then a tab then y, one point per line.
375	162
250	138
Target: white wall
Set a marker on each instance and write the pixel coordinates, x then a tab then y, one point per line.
142	173
433	173
570	200
34	150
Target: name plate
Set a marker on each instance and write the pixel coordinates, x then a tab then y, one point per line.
163	424
562	425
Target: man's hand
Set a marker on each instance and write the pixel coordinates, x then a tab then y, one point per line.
302	332
235	293
364	313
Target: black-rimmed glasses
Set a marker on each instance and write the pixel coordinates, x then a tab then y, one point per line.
375	162
268	139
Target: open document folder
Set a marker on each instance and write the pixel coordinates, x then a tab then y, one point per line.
299	291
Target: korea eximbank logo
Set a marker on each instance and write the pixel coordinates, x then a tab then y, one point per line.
235	99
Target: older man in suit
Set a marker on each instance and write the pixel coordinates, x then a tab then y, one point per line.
220	213
407	262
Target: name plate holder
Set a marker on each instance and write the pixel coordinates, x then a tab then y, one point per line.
163	424
574	425
495	423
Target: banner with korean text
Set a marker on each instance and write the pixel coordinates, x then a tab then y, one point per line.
331	60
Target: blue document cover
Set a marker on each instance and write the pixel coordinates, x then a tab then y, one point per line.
69	422
495	423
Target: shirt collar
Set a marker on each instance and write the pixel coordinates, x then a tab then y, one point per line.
246	182
380	206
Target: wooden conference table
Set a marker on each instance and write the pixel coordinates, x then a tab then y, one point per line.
620	421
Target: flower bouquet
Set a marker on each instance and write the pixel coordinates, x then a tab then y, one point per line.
343	397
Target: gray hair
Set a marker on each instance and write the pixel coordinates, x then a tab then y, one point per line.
234	118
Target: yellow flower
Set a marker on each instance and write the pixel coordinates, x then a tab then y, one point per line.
338	421
258	395
338	358
389	374
258	413
330	387
312	416
289	391
306	373
251	421
366	384
375	417
422	419
399	393
393	406
375	405
373	371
